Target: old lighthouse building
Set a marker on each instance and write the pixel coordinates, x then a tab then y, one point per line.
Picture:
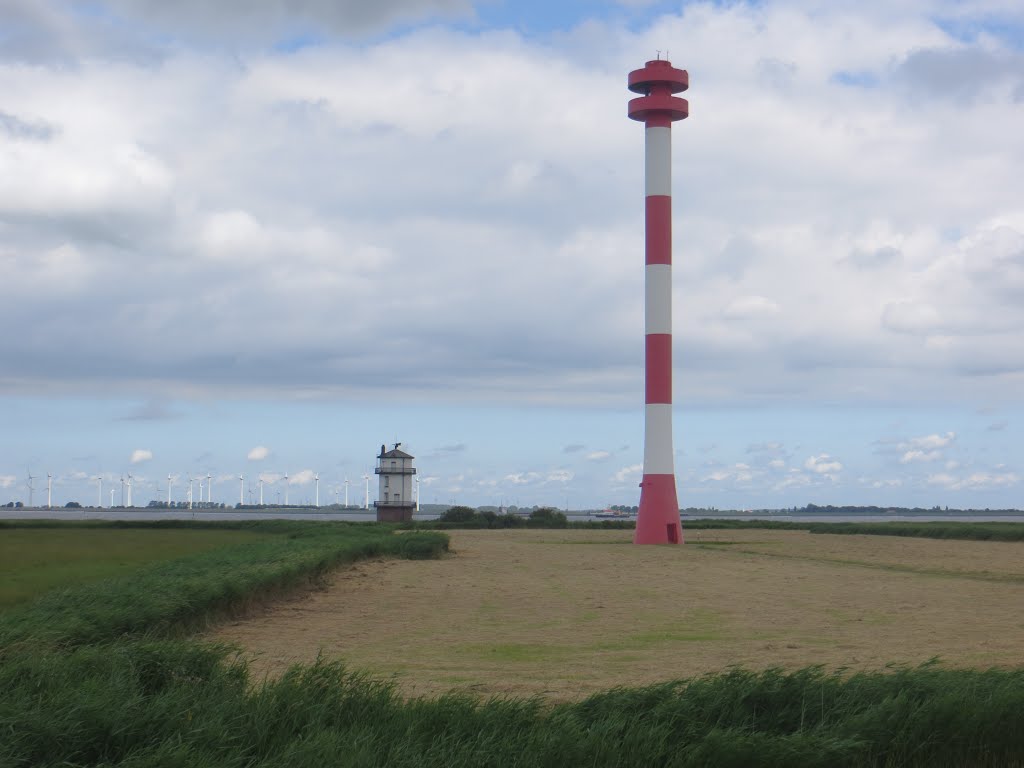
395	502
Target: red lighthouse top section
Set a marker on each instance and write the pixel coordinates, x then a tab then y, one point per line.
658	80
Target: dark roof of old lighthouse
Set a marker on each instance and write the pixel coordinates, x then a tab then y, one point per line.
394	453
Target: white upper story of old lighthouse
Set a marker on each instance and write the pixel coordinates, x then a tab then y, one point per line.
395	500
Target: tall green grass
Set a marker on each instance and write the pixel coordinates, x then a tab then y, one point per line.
175	703
997	531
33	561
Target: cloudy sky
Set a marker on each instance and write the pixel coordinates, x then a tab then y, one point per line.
267	236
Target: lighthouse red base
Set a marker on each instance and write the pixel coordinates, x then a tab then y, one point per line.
657	521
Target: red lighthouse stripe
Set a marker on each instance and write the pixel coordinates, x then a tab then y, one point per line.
658	349
658	211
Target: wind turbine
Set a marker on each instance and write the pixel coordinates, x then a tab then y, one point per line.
286	489
130	489
261	490
112	492
209	487
316	479
241	490
367	502
99	491
49	491
417	493
346	493
169	481
122	490
190	482
200	489
31	488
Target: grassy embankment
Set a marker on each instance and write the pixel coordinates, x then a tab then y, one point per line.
31	563
99	675
980	531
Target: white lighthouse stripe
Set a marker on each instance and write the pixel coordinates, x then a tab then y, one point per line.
658	440
658	161
658	299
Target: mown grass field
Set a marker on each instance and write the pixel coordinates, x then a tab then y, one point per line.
110	673
34	560
569	613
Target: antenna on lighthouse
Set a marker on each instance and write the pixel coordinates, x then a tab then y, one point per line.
657	108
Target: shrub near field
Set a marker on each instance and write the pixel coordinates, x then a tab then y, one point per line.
95	676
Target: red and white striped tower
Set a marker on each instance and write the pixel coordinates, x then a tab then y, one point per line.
658	519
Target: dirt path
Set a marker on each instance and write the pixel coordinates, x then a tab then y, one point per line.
569	613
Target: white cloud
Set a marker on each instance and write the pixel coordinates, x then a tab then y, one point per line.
259	453
629	474
924	449
823	464
598	455
738	473
933	441
7	481
795	479
302	477
976	481
559	476
919	455
266	19
886	483
140	455
750	307
522	478
822	180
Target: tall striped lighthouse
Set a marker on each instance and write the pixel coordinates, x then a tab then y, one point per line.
657	108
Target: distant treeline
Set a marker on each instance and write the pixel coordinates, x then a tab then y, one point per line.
829	509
